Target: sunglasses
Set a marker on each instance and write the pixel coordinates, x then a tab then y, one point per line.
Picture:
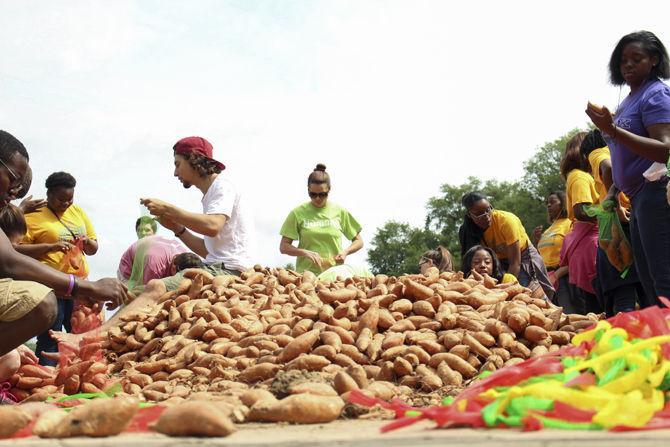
321	195
16	180
483	215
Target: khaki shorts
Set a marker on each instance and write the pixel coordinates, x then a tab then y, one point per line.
17	298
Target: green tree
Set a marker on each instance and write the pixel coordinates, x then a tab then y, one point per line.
542	173
397	247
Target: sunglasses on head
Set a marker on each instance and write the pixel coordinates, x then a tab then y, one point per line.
321	195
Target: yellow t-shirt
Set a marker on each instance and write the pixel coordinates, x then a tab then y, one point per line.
595	158
45	228
508	278
551	241
580	188
505	230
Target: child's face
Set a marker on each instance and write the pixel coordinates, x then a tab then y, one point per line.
482	262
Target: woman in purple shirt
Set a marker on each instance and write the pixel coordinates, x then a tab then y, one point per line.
638	137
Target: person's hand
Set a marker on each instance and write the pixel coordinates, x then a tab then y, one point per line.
28	205
156	207
106	290
27	356
602	121
537	233
340	258
623	213
170	224
63	246
314	257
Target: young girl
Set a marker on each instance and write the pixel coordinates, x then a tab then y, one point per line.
483	260
504	233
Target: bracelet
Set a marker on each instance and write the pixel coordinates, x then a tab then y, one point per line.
70	287
180	232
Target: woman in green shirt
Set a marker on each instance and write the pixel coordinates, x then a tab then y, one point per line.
318	226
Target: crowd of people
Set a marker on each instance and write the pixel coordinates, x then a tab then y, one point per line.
617	165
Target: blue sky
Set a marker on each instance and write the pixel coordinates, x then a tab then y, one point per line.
395	97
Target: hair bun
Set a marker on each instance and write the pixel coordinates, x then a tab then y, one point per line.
320	167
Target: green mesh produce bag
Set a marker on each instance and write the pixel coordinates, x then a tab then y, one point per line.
611	237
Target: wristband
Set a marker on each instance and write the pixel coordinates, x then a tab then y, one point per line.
70	287
180	232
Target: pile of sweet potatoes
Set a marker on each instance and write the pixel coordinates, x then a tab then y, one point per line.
420	331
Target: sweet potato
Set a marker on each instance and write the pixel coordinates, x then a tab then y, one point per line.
97	418
455	362
475	346
13	418
197	418
314	388
429	380
330	296
370	318
343	382
298	409
300	345
308	362
536	334
250	397
448	375
416	291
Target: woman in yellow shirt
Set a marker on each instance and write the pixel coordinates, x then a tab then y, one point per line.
53	231
580	244
503	232
549	244
617	294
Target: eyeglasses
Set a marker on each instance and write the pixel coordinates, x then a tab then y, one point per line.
16	180
485	214
321	195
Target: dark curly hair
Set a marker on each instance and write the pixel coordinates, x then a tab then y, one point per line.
651	44
466	264
58	179
592	141
9	145
185	261
201	164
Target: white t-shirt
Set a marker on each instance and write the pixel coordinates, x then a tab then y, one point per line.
235	245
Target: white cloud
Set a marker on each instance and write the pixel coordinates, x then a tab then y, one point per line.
395	97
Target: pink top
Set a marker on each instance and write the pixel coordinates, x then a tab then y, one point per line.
578	252
159	254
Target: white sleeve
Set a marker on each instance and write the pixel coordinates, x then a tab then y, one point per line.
221	199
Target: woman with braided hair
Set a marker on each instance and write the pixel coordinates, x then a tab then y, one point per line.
503	232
